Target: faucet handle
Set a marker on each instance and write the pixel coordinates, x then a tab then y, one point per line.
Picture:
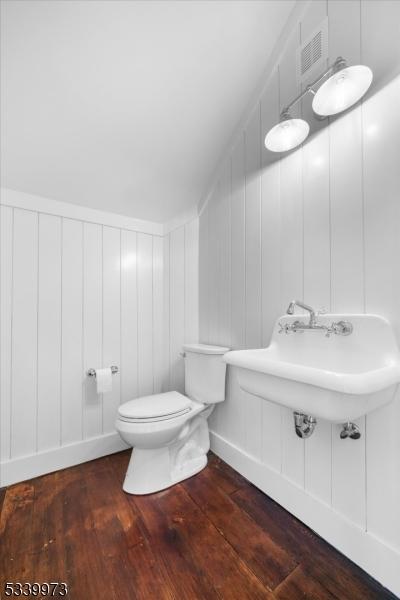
284	327
342	328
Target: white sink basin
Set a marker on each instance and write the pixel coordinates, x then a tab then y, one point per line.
338	378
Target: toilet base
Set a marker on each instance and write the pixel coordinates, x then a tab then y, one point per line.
151	470
138	482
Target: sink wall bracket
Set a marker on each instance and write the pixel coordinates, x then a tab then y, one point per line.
350	430
304	425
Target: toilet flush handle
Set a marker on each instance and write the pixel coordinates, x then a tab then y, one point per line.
183	354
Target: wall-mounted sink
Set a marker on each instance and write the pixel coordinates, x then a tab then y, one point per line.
338	378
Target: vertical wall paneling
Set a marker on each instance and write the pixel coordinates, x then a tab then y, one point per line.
345	151
344	31
317	267
314	16
183	268
346	214
270	265
380	40
383	468
238	247
145	313
292	228
129	316
72	373
271	435
253	231
329	235
213	298
317	281
177	308
288	85
166	384
291	213
224	309
318	461
253	324
292	449
191	255
382	244
212	261
158	349
347	238
381	190
271	306
291	254
24	330
49	333
111	321
233	411
223	280
203	275
6	267
77	294
270	216
92	326
253	424
348	465
214	264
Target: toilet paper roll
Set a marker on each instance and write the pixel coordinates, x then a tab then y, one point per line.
103	380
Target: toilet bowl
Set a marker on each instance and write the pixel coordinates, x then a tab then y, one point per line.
168	432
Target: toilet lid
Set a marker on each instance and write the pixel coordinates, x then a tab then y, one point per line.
205	349
169	404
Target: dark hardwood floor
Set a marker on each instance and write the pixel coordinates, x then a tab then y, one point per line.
215	536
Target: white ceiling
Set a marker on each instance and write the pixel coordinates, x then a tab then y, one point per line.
127	106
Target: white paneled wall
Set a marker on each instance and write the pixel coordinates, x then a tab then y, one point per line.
75	294
321	224
181	291
72	369
49	332
145	314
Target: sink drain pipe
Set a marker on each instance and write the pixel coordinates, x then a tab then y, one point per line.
304	424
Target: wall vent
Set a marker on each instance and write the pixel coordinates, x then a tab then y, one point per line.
312	55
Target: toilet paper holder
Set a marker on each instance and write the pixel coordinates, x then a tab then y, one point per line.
92	372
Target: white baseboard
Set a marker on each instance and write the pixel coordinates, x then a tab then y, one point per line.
27	467
374	556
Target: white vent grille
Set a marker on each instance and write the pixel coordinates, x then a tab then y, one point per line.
312	54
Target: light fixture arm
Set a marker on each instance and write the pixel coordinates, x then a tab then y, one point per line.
343	87
338	65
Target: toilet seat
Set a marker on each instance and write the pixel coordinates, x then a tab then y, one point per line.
158	407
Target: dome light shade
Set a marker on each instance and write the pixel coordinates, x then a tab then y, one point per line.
343	89
288	134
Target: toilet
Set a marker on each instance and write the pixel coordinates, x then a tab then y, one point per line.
169	432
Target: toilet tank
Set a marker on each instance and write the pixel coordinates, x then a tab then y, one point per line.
205	373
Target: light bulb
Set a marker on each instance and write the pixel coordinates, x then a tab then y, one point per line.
343	89
288	134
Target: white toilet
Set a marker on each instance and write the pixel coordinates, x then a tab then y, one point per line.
169	431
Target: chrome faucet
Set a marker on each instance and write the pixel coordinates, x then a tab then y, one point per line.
339	328
294	303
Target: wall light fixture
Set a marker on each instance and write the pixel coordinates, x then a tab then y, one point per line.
345	86
288	134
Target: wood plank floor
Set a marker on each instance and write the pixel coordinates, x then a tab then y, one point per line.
215	536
